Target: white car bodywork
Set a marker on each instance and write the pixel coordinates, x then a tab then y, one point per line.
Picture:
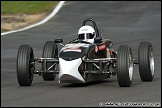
69	71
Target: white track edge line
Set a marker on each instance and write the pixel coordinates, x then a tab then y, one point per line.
57	8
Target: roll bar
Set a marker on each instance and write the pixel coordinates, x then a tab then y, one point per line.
94	25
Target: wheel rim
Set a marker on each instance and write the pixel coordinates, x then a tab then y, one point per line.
130	66
31	65
151	61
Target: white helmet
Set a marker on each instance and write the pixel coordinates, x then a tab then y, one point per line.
86	33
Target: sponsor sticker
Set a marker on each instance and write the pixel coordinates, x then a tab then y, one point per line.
101	47
72	49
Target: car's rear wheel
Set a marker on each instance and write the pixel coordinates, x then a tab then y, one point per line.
50	50
24	65
124	66
146	61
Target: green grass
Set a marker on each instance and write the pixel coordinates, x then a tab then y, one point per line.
3	30
26	7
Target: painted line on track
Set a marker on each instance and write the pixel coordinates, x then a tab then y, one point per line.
57	8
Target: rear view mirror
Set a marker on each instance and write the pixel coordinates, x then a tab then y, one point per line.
58	40
97	39
109	43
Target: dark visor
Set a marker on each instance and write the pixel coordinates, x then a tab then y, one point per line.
86	35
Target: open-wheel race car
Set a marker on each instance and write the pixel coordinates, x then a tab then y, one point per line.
85	59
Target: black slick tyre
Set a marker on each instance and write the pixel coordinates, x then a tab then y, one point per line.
146	61
124	66
24	73
50	50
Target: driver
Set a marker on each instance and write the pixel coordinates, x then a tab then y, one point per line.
86	33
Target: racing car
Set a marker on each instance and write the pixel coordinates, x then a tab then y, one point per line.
85	59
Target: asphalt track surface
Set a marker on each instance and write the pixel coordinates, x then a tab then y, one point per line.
124	22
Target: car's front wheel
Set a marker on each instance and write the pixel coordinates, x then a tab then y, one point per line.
24	65
124	66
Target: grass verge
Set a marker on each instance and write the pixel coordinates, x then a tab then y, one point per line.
13	9
26	7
